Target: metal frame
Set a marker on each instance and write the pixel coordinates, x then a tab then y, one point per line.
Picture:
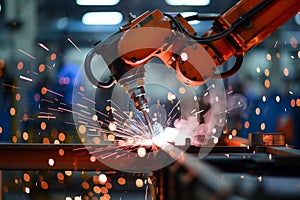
77	157
187	178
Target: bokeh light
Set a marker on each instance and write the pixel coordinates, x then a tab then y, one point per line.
43	126
41	68
53	56
85	185
262	126
139	183
26	177
44	185
286	71
267	83
2	63
20	65
121	181
293	42
12	111
102	178
97	189
51	162
268	57
141	152
267	72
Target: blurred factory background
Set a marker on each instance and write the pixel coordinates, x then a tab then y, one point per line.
42	46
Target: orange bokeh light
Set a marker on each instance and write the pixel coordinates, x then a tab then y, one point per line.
267	83
121	181
20	65
97	189
44	185
41	68
46	140
53	56
61	137
293	103
26	177
61	152
44	90
60	176
247	124
2	63
43	126
298	102
286	71
12	111
18	97
85	185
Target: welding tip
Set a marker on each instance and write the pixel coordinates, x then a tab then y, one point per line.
148	122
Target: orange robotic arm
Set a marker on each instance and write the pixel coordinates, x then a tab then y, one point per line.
175	42
234	32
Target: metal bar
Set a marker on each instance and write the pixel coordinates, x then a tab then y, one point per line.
207	179
47	157
67	156
283	151
77	156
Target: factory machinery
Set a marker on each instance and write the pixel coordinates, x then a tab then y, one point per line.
251	169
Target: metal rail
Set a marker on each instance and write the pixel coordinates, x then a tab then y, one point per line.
48	157
74	157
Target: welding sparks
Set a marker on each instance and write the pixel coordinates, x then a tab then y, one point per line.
27	54
43	46
51	91
69	39
11	86
46	117
25	78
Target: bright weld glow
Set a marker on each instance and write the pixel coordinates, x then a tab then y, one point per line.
188	2
97	2
168	135
102	18
186	14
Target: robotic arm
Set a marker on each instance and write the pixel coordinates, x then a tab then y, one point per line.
195	58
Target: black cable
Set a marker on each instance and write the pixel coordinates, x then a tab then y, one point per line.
237	65
198	39
202	17
90	75
223	33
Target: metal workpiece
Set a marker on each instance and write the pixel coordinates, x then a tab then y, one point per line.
266	139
